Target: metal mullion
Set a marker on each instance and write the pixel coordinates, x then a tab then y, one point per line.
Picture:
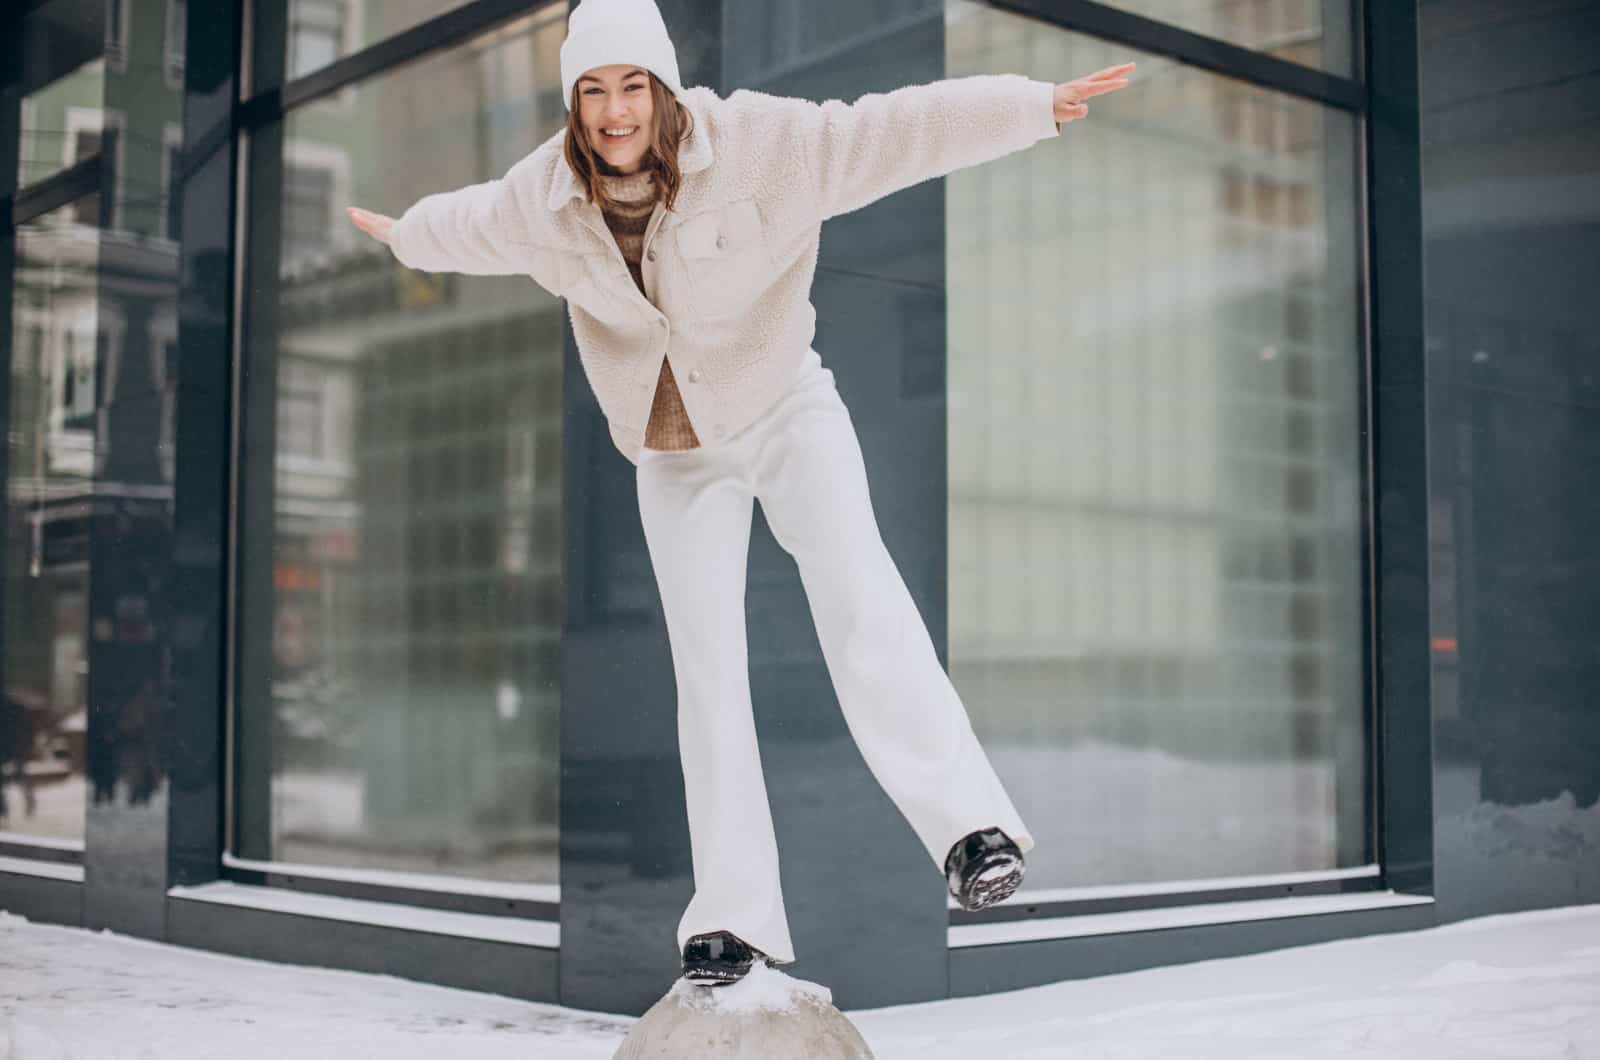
435	35
1371	691
1194	49
57	190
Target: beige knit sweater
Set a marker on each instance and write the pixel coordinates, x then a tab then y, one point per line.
633	201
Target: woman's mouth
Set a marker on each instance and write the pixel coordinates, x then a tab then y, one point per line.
620	134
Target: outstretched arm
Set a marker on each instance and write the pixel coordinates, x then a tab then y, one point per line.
482	229
859	152
470	230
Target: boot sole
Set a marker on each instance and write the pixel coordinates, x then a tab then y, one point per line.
706	976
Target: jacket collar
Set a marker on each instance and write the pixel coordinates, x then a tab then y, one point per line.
694	155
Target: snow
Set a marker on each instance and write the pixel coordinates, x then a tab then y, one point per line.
764	989
1491	858
1032	929
1513	985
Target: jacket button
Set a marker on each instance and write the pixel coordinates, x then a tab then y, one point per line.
651	255
722	241
694	375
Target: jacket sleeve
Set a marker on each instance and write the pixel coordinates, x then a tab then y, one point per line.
859	152
481	229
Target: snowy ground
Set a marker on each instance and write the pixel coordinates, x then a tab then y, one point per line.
1519	985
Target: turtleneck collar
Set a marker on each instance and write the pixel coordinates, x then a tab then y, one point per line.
633	188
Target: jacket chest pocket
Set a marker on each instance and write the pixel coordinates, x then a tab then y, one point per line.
726	258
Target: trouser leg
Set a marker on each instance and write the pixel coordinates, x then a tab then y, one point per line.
899	704
696	511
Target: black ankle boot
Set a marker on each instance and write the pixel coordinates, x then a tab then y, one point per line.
718	958
983	868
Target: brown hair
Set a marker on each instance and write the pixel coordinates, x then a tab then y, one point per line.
672	125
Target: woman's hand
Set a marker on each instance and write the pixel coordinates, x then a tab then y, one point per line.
375	225
1070	95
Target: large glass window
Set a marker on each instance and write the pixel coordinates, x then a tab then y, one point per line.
1155	470
321	31
399	690
44	756
1315	33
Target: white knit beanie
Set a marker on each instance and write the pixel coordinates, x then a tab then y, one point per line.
602	32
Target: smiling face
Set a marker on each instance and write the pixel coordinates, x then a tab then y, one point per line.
617	113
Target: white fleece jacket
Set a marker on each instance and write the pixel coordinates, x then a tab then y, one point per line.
729	270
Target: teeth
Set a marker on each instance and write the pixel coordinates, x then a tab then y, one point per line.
620	132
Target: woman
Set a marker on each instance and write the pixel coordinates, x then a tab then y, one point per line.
682	229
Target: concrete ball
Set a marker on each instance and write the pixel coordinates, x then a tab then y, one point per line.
767	1015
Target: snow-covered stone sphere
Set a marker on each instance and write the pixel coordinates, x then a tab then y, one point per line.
767	1015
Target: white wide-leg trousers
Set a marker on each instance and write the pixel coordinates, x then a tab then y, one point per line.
803	460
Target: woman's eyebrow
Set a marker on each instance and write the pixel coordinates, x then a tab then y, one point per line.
596	80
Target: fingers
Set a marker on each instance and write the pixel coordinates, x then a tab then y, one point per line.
1110	71
375	225
1101	81
1097	88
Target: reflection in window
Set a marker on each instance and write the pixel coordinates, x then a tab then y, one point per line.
414	628
322	31
117	28
300	411
308	209
1314	33
171	205
47	144
175	37
44	760
1155	542
316	34
102	142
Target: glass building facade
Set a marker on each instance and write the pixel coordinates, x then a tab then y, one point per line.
1234	490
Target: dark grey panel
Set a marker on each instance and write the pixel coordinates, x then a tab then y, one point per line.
40	899
987	969
528	972
1519	732
1511	117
